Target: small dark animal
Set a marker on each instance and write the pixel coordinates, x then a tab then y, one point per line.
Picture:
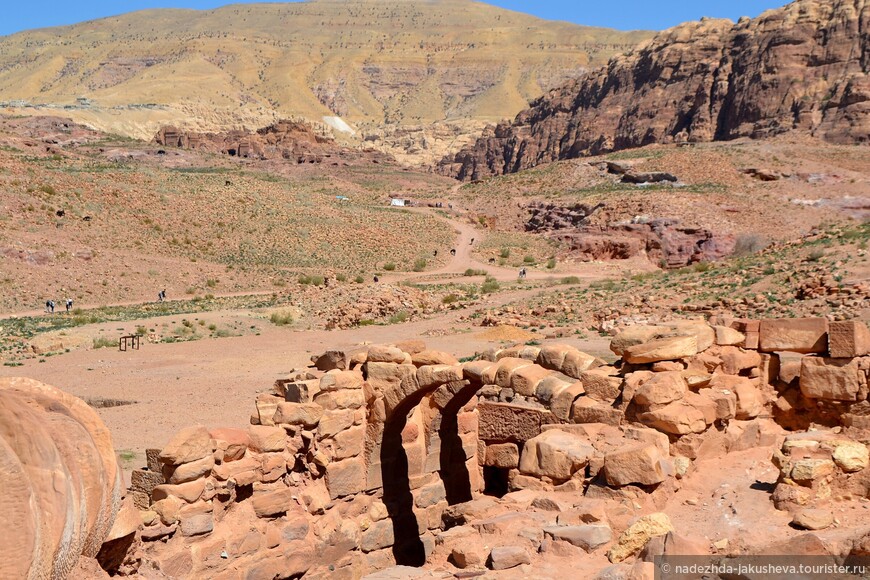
60	213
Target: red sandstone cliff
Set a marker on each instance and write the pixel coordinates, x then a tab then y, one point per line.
803	67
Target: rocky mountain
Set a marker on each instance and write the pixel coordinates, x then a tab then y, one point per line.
381	68
803	67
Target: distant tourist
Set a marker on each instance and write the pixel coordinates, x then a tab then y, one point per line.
471	242
453	252
436	253
48	305
69	304
376	278
161	296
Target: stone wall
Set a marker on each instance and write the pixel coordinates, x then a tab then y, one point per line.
353	464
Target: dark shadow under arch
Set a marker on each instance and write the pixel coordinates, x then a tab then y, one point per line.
453	470
408	549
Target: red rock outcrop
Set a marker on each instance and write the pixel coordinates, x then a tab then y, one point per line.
60	479
291	140
803	67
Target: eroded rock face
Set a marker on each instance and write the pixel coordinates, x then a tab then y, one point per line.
294	141
60	479
802	67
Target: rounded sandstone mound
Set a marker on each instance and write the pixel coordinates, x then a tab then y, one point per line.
60	480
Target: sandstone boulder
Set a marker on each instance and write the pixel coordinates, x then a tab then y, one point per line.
829	378
506	557
588	537
661	349
677	418
851	456
803	335
661	389
848	339
555	454
189	444
632	540
643	464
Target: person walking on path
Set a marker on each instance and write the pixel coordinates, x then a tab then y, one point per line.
69	304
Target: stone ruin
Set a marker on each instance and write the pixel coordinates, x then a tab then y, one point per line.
377	456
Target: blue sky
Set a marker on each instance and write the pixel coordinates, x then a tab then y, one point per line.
621	14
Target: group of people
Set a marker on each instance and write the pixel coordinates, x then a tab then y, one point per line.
50	305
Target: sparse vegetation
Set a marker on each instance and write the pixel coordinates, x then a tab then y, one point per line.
282	318
490	285
103	342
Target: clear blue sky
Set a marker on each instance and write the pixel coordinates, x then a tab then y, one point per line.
622	14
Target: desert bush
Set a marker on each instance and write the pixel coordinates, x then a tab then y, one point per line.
389	266
359	279
490	285
749	244
473	272
450	299
529	259
419	264
399	317
551	263
505	253
815	255
103	342
282	318
570	280
341	277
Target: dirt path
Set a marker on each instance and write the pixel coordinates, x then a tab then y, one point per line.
469	237
214	381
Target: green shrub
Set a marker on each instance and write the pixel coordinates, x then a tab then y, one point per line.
282	318
473	272
399	317
341	277
419	264
529	260
505	253
570	280
211	282
490	285
450	299
551	263
103	342
389	266
359	279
